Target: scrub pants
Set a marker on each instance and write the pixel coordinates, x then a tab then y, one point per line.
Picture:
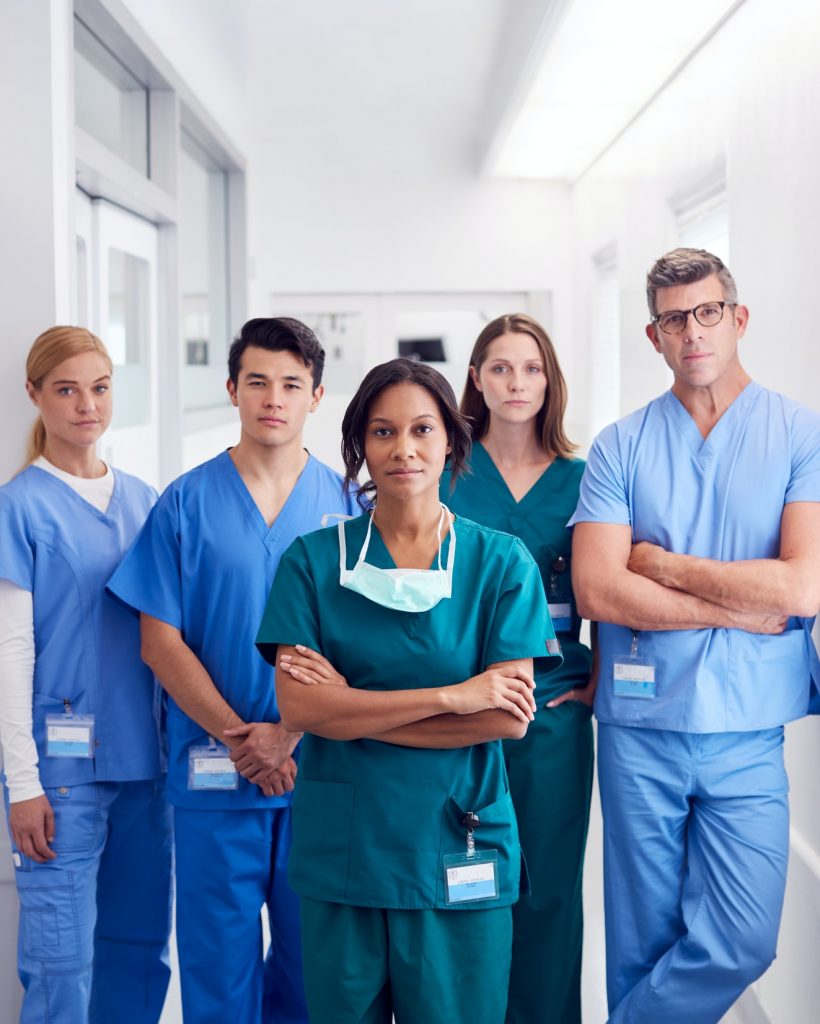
104	902
229	864
366	965
550	773
696	834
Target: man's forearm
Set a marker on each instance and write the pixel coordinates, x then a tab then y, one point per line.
186	679
768	586
450	731
626	599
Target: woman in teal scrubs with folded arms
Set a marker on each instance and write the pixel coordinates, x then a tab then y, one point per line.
525	481
404	643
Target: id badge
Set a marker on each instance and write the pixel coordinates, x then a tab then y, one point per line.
211	768
561	615
69	735
634	677
471	879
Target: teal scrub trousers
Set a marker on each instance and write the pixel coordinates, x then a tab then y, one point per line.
365	965
550	773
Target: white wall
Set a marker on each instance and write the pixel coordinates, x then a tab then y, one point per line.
749	100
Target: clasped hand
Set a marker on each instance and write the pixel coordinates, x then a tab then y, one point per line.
264	756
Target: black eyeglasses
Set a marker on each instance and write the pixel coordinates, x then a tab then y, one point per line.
707	314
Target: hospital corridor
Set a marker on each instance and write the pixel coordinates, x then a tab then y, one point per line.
409	512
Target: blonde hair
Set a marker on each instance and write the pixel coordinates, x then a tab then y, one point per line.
53	347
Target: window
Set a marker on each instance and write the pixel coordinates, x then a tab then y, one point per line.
706	226
110	103
605	351
204	275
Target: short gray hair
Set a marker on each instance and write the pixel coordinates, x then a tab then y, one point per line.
686	266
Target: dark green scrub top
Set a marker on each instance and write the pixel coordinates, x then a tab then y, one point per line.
373	821
539	519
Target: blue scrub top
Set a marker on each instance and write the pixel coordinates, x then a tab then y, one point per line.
204	563
719	498
62	549
373	820
539	519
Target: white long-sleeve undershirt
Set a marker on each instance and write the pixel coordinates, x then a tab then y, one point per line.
19	751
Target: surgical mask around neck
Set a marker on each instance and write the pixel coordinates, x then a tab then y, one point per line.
403	590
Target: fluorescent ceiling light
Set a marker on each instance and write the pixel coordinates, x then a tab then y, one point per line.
602	64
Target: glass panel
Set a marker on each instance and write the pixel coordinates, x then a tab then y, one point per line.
708	230
126	335
203	242
82	283
110	103
605	356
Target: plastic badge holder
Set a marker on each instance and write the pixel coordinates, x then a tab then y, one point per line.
471	879
211	768
69	735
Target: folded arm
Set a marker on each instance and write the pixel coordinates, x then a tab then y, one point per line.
608	590
403	717
786	585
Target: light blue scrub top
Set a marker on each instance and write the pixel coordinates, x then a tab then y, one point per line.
204	563
719	498
62	549
371	820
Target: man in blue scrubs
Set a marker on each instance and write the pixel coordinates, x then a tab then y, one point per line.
697	548
199	574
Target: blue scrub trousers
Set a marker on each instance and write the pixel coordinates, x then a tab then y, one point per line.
696	836
229	864
94	923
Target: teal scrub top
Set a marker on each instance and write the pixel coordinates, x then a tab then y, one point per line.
539	520
373	821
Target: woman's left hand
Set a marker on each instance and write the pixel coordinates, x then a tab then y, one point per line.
311	668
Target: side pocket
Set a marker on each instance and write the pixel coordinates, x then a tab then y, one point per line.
78	820
322	822
48	915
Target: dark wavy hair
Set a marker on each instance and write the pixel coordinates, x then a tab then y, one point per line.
357	416
549	423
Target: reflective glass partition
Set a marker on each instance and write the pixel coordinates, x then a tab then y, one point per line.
110	103
127	334
203	251
81	297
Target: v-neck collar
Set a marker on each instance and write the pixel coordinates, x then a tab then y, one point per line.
381	557
486	464
113	504
269	535
704	448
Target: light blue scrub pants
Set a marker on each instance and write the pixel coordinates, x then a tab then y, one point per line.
104	903
696	834
228	865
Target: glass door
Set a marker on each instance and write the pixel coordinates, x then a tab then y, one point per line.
116	298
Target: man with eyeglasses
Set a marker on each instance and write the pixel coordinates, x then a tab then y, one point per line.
697	548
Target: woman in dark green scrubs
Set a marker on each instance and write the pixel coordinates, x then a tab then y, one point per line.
525	481
404	644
